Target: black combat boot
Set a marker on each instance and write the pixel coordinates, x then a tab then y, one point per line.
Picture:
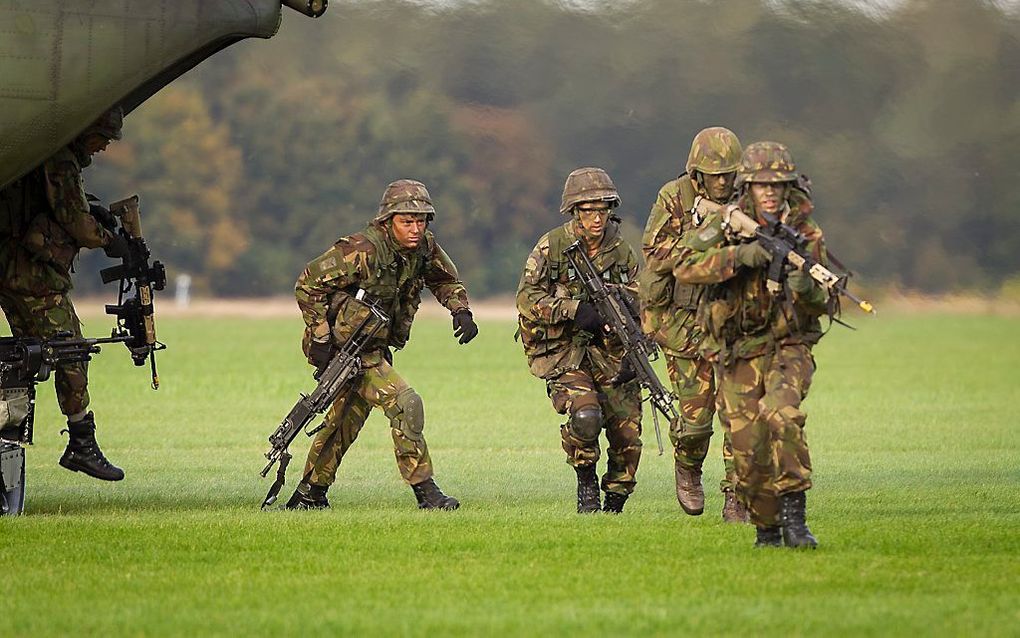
587	490
771	536
614	503
792	513
430	497
83	454
309	497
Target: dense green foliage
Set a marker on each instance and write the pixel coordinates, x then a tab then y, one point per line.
907	120
916	504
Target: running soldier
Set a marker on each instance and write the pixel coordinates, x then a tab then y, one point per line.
391	261
668	310
760	343
567	347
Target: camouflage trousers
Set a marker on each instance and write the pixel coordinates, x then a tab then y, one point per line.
760	398
379	386
694	383
42	317
621	420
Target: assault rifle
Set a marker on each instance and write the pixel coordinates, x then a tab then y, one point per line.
639	350
337	375
137	280
787	247
24	362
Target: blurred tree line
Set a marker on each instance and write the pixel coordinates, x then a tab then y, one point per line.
907	120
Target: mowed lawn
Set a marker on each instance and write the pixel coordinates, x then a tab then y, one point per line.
913	424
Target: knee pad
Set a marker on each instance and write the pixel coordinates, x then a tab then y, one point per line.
409	417
586	423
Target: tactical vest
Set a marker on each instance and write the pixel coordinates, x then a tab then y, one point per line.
555	348
394	284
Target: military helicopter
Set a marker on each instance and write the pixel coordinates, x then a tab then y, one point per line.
63	63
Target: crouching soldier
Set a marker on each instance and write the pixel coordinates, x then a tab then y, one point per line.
760	342
391	261
567	347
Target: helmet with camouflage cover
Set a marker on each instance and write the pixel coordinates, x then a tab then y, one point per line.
108	125
405	196
714	151
766	162
588	185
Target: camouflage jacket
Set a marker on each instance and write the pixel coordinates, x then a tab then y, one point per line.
547	299
739	317
370	260
44	222
668	306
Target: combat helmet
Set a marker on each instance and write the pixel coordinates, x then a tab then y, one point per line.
588	185
714	151
405	196
108	125
766	162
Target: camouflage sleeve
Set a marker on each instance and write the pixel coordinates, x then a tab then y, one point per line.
704	257
536	295
658	226
66	194
442	279
342	265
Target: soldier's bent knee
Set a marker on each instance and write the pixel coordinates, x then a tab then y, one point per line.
410	416
586	423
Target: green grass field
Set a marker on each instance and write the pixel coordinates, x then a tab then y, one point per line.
914	435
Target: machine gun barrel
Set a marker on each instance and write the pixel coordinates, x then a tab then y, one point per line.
639	351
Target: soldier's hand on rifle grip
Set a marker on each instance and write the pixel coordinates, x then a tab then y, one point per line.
118	248
752	255
587	318
320	353
464	326
626	374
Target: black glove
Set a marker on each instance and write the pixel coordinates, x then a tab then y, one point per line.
464	326
118	248
103	216
320	353
626	374
588	319
752	255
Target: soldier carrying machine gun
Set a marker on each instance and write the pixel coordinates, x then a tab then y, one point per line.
336	376
619	315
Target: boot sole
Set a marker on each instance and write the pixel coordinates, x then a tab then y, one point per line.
691	512
73	468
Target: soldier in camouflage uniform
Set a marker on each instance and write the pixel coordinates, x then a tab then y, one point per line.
45	219
391	260
668	314
761	343
568	348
